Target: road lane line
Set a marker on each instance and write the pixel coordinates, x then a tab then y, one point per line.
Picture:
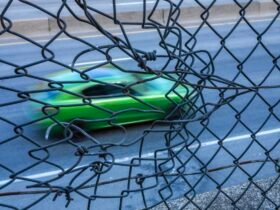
208	143
151	154
101	61
41	41
134	3
132	32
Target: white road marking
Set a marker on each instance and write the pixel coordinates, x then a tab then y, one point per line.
134	3
41	41
151	154
132	32
101	61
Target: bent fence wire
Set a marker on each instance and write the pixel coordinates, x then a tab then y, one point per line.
211	123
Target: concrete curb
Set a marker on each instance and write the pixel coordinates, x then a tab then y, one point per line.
45	27
227	12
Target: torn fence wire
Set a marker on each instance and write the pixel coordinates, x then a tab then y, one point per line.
137	103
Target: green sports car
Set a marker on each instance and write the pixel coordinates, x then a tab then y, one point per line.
110	98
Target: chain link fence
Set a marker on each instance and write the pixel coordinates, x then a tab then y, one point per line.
139	105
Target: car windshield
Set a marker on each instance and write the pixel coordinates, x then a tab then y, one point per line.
107	90
154	86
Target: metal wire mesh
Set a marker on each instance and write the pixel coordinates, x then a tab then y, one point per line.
222	131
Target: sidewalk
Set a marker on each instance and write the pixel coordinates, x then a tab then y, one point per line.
250	199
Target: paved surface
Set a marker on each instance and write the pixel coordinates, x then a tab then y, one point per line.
252	197
14	154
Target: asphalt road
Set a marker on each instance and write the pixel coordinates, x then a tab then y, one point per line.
14	154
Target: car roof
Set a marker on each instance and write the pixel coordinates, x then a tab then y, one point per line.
99	74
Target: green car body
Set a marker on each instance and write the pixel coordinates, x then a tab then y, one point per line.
115	98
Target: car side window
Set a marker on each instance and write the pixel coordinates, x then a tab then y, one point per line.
103	90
